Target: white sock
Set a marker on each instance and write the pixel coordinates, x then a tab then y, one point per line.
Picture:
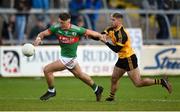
96	89
51	90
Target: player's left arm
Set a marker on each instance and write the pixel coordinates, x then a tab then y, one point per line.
116	48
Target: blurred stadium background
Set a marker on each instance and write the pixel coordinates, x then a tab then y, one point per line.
154	26
149	15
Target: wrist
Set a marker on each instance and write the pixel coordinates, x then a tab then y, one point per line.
38	38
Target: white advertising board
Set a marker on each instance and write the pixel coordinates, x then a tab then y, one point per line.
0	61
136	41
160	60
94	60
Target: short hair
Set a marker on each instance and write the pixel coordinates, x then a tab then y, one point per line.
117	15
64	16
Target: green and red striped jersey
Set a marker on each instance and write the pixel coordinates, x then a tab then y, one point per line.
68	39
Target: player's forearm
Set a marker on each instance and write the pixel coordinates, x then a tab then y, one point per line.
41	35
97	35
93	34
114	48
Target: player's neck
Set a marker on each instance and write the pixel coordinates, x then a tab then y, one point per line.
118	27
68	26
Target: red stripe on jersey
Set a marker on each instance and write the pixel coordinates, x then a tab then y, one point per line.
75	39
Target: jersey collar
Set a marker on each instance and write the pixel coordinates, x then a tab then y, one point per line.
119	27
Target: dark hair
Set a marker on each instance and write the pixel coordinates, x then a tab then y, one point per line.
64	16
117	15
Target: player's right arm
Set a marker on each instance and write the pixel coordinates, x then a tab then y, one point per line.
41	36
46	33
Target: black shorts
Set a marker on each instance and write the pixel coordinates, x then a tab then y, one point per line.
128	64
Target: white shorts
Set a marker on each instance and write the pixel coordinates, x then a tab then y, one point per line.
70	63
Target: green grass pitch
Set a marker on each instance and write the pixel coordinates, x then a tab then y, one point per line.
22	94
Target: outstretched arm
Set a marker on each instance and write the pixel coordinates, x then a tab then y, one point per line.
93	34
41	36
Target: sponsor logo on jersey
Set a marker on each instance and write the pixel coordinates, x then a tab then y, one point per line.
68	40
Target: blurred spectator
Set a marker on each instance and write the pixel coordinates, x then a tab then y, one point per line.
114	4
21	17
1	27
93	5
75	6
177	4
40	4
44	5
4	4
163	32
0	41
56	4
51	22
80	21
8	29
40	26
149	4
163	25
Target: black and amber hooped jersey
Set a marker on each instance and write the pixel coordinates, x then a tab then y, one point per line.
121	38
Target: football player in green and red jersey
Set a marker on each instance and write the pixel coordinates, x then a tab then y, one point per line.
68	36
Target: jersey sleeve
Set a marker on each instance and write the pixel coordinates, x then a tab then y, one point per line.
115	48
53	28
81	31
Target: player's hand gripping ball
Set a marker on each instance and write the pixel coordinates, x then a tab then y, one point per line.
28	49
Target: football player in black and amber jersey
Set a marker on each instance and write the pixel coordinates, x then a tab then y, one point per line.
127	60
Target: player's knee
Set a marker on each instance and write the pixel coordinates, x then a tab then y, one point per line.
114	79
45	70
